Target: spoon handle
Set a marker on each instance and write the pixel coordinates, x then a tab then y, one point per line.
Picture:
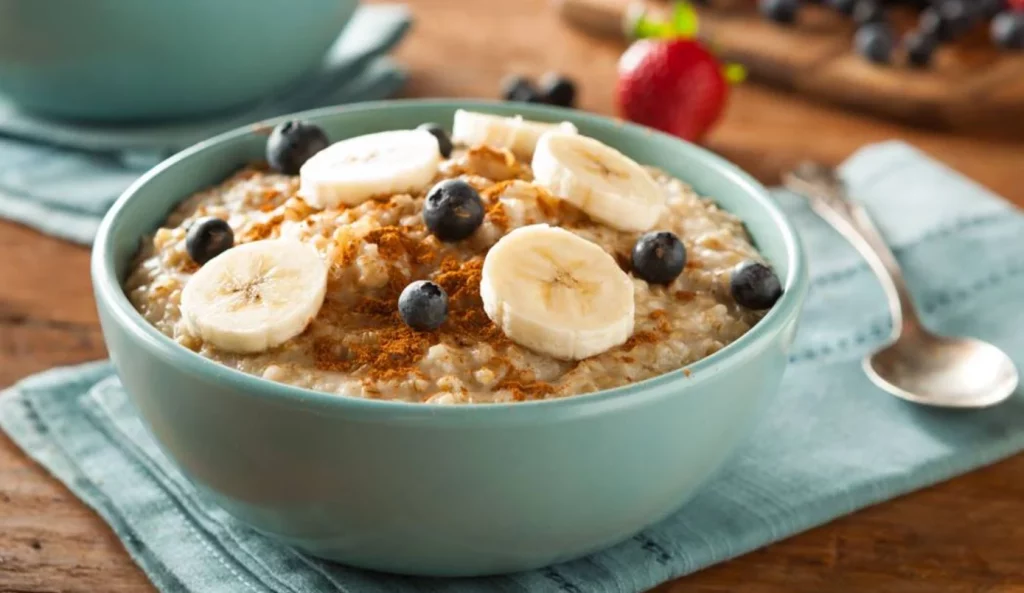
827	194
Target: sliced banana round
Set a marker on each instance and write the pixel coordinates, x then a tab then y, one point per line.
514	133
557	293
354	170
255	296
606	184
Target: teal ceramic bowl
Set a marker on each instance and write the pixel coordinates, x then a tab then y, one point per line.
146	60
445	490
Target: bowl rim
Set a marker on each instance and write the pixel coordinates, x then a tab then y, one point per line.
110	293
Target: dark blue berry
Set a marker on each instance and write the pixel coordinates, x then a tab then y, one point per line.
519	88
957	16
453	210
990	8
658	257
558	90
875	42
920	47
292	143
1007	30
843	6
423	305
444	142
931	23
207	238
780	11
755	286
868	11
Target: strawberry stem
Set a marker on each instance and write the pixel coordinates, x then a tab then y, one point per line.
646	27
682	24
734	73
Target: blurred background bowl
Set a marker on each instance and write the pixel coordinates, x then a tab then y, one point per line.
148	60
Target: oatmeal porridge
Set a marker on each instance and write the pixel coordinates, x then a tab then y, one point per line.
513	261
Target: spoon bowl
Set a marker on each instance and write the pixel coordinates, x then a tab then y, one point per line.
941	371
917	365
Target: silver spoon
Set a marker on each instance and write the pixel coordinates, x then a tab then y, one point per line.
916	364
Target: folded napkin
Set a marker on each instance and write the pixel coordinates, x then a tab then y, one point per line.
60	177
830	444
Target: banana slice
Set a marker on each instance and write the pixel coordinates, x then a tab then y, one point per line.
601	181
557	293
514	133
354	170
255	296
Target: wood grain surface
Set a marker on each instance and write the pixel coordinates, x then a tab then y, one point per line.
971	86
966	535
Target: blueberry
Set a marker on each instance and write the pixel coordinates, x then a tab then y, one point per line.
453	210
875	42
843	6
920	47
519	88
930	23
868	11
990	8
292	143
659	257
956	15
1007	30
423	305
780	11
444	143
755	286
207	238
558	90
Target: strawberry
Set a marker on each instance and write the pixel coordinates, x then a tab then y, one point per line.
668	80
672	85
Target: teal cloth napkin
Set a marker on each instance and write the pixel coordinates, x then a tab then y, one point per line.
830	444
60	177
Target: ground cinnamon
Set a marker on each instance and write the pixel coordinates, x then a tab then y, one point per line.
638	338
263	230
379	347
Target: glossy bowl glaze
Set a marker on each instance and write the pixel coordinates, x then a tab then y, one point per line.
138	60
445	490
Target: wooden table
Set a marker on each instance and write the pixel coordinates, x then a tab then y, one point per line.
966	535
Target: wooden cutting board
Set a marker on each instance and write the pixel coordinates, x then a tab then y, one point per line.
970	87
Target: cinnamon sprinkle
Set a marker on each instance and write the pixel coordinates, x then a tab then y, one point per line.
394	243
661	317
496	210
267	199
263	230
642	337
347	254
523	387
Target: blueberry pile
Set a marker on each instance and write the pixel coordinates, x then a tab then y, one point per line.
939	21
554	89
